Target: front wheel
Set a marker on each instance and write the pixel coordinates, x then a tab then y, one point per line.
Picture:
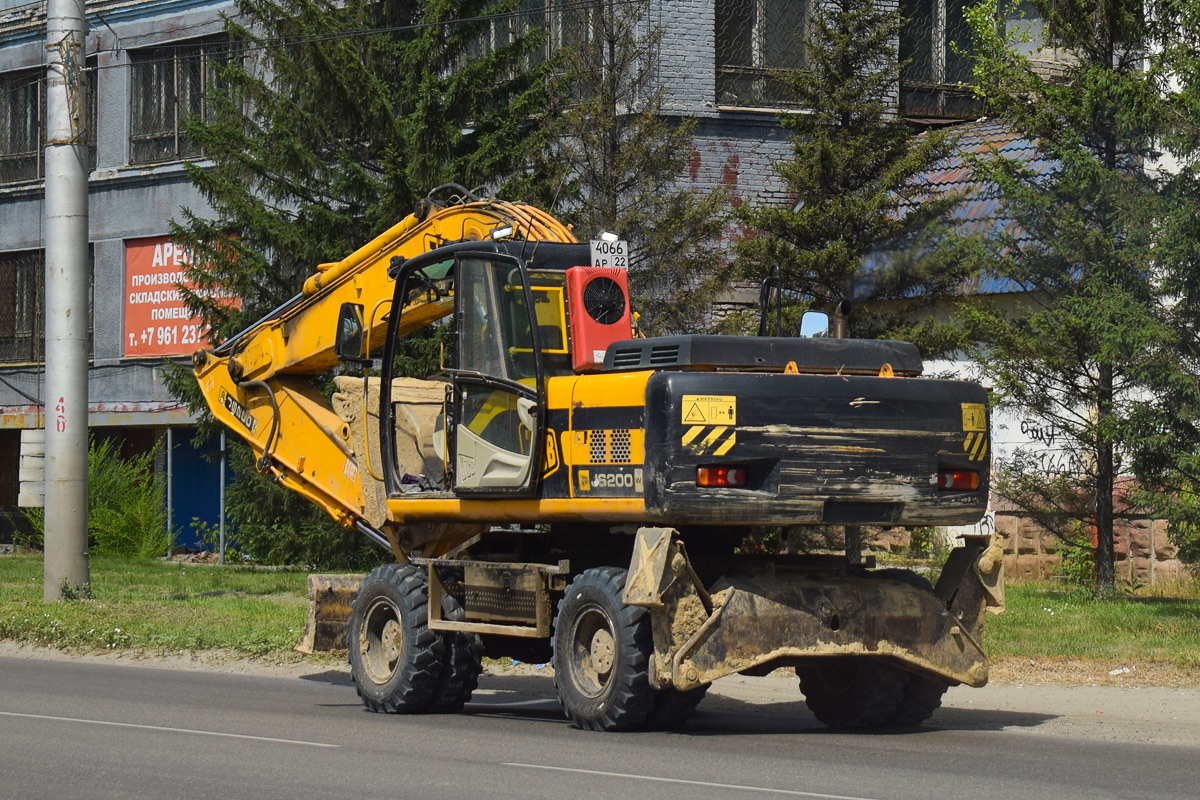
601	653
395	660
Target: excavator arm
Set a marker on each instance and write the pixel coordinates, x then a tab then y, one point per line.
259	382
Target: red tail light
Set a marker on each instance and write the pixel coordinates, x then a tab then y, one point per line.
958	480
714	477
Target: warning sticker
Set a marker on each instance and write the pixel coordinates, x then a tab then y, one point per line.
707	409
974	417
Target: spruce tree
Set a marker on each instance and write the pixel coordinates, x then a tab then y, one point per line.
332	120
1094	357
614	161
1167	458
853	180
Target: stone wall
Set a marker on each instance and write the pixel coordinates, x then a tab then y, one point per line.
1143	551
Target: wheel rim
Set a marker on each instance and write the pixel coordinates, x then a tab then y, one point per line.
593	652
382	641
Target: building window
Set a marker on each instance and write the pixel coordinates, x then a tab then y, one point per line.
564	24
22	118
22	325
171	84
754	38
22	306
21	137
936	61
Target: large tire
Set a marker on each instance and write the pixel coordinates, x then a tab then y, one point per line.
461	663
670	708
922	695
601	653
852	691
395	660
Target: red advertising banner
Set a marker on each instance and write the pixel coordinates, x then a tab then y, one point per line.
157	323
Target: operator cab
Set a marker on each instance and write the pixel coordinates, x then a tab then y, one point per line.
512	329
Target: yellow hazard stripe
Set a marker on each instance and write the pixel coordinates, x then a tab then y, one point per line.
692	434
725	448
712	437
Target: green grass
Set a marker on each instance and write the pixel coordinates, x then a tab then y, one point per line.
157	606
1043	622
163	607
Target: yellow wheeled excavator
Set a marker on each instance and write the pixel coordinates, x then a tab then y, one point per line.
564	491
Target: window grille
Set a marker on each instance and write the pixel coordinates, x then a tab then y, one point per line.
22	121
169	85
753	39
22	107
936	60
22	306
22	325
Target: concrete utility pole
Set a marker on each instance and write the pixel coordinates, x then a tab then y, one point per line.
66	241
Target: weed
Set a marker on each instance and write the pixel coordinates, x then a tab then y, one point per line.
70	591
1078	564
126	513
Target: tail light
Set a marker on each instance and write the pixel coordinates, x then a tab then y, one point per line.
721	477
957	480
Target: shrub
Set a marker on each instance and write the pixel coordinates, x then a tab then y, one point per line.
272	524
126	512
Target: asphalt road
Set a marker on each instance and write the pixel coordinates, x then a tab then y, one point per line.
85	729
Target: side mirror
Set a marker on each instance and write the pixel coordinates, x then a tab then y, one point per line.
349	343
814	325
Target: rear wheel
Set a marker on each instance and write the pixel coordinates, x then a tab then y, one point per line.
922	696
852	691
395	660
601	653
461	662
670	708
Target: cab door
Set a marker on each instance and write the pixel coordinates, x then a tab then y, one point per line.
497	409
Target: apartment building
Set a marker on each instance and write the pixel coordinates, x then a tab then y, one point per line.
149	66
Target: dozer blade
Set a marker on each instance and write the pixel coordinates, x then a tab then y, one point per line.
329	599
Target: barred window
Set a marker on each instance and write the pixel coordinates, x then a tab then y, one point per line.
21	320
22	306
22	106
22	119
566	23
753	39
936	60
171	84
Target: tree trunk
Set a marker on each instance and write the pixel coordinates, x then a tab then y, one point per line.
1106	583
